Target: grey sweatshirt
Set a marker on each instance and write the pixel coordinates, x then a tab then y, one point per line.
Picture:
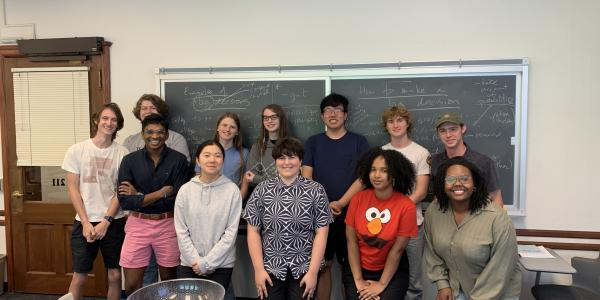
207	216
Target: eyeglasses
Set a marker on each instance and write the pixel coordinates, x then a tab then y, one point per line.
270	118
451	180
333	111
152	132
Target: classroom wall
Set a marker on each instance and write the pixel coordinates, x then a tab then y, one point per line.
561	39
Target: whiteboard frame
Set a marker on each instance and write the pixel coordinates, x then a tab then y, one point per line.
517	67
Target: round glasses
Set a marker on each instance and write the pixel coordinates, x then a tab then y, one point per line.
451	180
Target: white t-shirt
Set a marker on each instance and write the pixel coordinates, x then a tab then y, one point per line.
418	155
98	171
175	141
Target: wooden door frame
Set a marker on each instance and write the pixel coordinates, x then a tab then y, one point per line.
12	51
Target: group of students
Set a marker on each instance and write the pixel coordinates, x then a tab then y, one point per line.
332	196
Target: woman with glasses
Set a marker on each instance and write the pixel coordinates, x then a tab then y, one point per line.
288	221
471	245
380	221
261	165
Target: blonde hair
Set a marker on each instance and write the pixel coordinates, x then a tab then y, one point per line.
237	140
397	111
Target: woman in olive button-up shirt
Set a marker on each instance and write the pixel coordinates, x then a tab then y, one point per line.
471	245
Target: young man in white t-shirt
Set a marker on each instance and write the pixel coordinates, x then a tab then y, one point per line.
398	122
92	174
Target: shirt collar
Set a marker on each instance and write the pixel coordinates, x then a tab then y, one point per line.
281	184
163	153
467	151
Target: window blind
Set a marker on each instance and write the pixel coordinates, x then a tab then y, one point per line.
51	113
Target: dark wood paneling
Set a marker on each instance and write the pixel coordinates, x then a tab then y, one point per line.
39	257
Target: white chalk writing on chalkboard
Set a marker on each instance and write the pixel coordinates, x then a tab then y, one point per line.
196	106
486	103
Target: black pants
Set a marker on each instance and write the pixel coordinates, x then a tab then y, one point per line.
85	253
396	289
221	276
288	289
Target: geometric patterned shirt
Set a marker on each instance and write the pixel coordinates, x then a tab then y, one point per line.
288	217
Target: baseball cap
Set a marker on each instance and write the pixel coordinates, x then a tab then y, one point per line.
450	117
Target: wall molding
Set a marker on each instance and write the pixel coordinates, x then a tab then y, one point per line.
561	234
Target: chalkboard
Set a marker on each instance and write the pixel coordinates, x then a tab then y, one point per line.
486	103
490	95
197	105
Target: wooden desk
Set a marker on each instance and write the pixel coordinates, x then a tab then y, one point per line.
550	265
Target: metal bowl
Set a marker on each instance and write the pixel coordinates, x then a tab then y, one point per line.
180	289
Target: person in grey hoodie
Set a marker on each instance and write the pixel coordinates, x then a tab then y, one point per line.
207	215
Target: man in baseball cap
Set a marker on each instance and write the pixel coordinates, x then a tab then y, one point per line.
451	128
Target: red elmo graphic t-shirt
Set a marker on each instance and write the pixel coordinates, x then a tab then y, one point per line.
377	223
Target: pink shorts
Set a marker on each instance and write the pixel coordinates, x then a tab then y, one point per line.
142	236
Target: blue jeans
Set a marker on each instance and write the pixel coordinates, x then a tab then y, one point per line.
414	251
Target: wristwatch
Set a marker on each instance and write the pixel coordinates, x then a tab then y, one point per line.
109	219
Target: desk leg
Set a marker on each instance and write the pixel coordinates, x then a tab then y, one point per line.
537	277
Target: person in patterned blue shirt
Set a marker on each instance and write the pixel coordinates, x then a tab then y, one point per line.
288	221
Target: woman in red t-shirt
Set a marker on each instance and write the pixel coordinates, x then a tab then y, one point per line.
379	223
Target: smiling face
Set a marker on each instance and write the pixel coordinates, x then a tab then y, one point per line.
288	167
379	175
146	109
107	123
210	160
334	117
451	134
155	136
396	126
227	130
270	120
459	184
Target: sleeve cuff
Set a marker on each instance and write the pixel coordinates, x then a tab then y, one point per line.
204	267
442	284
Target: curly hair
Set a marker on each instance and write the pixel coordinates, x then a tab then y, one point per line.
116	110
400	170
480	197
158	102
397	111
